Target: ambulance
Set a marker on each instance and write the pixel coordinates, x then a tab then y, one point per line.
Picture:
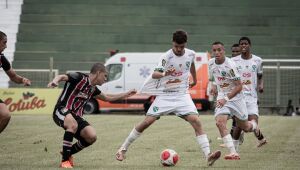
129	71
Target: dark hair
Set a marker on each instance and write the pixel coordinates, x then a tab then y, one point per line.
217	42
245	38
2	35
180	37
98	67
235	45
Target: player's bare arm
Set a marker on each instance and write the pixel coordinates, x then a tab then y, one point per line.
213	90
194	75
114	97
260	83
57	79
17	78
238	88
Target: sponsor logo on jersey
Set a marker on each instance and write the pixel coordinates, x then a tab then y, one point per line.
223	73
224	85
232	72
246	82
187	64
221	78
155	109
163	62
246	75
253	68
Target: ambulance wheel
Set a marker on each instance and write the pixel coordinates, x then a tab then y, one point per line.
91	107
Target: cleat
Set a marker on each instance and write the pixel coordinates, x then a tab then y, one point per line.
222	145
212	157
65	164
232	156
241	138
262	142
120	155
71	159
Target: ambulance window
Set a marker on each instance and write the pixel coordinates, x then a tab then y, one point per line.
114	71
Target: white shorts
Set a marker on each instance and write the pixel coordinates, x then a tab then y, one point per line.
181	105
235	108
252	107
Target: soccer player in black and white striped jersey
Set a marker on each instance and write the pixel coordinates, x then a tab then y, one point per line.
78	89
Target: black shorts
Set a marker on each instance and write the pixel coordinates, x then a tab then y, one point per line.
59	116
1	101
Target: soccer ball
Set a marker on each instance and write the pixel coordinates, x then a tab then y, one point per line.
169	157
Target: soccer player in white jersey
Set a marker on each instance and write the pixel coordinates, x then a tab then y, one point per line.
171	79
230	101
250	68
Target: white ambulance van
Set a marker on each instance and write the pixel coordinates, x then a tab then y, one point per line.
129	71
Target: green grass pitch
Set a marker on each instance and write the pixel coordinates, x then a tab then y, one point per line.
34	141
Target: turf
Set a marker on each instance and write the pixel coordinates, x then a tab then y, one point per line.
34	142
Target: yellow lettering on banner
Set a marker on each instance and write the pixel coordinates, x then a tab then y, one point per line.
30	101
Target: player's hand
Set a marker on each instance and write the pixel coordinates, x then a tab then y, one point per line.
260	89
52	84
192	84
220	103
26	81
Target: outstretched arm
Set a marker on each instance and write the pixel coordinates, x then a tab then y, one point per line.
57	79
114	97
17	78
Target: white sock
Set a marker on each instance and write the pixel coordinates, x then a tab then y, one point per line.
229	143
204	144
254	125
236	144
133	135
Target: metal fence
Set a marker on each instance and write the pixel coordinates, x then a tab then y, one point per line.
281	83
281	79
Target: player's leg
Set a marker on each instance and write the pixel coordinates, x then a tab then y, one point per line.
133	135
258	134
236	136
233	126
64	119
221	121
70	126
160	105
202	139
85	135
4	116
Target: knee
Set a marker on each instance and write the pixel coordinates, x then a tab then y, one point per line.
5	116
248	128
72	127
220	124
91	139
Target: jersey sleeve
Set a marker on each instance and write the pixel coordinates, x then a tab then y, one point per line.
193	56
260	67
210	74
74	77
5	63
96	92
162	64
